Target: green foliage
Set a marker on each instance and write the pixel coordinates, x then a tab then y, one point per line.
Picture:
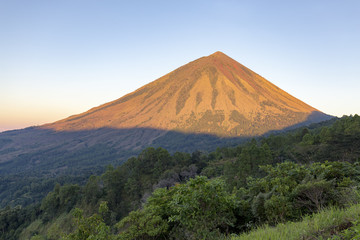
199	209
307	139
290	190
93	191
90	228
37	237
278	208
62	199
157	195
202	209
26	189
143	224
351	233
126	187
314	195
14	220
317	226
247	164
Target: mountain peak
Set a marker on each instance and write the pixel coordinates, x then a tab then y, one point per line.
213	95
218	54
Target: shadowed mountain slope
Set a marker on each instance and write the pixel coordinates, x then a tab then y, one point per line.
208	103
212	95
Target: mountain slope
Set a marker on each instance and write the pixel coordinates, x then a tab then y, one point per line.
208	103
212	95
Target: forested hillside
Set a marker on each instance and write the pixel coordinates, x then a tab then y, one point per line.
158	195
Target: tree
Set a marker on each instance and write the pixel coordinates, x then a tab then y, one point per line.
198	209
202	209
91	228
313	195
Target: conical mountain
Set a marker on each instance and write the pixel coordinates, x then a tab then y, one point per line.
208	103
213	95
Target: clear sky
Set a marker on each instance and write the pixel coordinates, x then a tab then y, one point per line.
59	58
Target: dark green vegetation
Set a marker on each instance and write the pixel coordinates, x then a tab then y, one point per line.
29	156
158	195
330	223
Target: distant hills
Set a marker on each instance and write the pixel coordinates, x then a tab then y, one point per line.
210	102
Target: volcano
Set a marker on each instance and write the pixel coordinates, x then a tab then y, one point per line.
211	102
213	95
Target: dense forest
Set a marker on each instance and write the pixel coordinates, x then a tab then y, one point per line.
217	195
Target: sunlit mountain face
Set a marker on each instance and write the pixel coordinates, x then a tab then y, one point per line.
212	95
211	102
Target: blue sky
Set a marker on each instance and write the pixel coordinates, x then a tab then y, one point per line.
59	58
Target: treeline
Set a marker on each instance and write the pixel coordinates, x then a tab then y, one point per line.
124	189
192	196
203	209
22	190
22	184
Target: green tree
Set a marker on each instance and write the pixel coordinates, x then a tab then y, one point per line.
198	209
90	228
202	209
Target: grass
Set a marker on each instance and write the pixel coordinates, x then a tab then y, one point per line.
317	226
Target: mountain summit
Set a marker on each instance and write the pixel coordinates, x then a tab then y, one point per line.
213	95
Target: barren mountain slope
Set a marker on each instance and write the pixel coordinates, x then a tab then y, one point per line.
213	95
